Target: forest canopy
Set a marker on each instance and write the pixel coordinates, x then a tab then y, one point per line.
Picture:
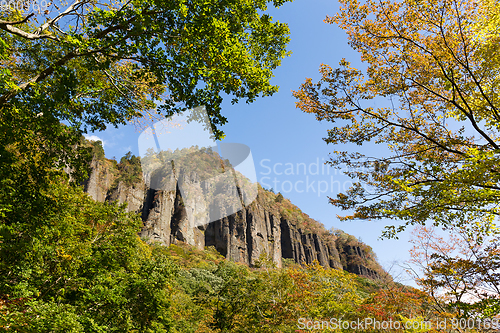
91	64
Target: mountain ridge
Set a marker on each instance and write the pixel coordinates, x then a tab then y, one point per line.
270	226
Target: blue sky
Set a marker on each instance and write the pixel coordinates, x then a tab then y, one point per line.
286	144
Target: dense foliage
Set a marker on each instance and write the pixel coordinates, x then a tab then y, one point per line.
86	270
93	64
430	95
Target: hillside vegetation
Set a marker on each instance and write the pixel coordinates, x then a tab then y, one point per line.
79	266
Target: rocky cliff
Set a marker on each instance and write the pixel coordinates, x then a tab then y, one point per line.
269	226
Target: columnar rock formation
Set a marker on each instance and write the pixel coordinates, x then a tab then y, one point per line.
262	228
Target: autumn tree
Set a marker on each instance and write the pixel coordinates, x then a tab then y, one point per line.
459	270
411	308
428	92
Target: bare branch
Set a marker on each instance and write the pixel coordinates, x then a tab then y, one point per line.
49	23
8	27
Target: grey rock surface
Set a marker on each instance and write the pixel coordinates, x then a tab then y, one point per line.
246	236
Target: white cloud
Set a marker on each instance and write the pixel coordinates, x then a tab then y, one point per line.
94	138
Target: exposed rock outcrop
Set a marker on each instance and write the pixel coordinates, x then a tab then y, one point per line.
355	259
307	247
246	235
269	226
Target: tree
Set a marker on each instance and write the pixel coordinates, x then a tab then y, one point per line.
408	306
75	265
67	263
93	64
434	67
459	271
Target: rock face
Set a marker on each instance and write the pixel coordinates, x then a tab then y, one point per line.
307	247
355	257
246	235
262	228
